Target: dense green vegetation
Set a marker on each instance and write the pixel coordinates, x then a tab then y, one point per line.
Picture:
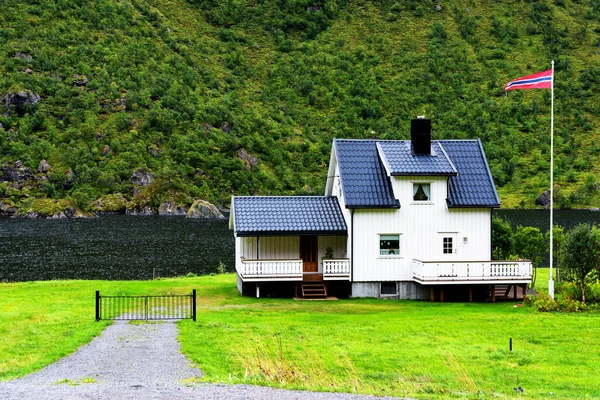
401	348
186	89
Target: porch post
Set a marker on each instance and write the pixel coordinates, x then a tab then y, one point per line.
257	290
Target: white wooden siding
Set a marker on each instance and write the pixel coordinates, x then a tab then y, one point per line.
287	248
270	248
337	243
421	227
336	188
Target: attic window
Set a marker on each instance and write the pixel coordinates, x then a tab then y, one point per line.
421	192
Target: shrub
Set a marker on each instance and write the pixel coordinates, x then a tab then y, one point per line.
570	290
571	305
593	293
543	302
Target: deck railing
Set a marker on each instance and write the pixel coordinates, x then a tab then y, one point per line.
257	270
448	271
336	269
266	269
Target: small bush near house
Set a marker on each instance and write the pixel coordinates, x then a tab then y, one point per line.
543	302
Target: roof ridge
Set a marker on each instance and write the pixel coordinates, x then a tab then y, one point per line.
284	197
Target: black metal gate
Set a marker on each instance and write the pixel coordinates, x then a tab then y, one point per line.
158	307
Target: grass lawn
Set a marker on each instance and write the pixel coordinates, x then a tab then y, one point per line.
399	348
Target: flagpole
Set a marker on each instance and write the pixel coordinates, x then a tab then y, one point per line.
550	281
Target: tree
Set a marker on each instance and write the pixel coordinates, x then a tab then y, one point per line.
502	239
580	255
529	244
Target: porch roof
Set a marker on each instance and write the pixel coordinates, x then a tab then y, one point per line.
287	216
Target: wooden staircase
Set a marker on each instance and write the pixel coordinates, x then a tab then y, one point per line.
507	292
314	290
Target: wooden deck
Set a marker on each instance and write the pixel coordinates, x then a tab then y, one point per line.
472	272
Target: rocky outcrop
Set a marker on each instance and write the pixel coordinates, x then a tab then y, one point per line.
7	207
204	209
140	179
80	80
111	204
58	215
226	127
69	179
543	199
143	211
248	159
172	208
20	100
23	56
43	166
15	173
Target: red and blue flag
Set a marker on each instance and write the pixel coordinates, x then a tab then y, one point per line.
541	80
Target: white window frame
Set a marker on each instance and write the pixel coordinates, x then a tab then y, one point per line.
414	183
452	244
399	249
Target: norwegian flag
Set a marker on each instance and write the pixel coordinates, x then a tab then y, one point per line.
541	80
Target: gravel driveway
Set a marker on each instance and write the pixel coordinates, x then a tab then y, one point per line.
131	361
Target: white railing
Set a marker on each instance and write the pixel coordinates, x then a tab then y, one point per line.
449	271
336	268
284	269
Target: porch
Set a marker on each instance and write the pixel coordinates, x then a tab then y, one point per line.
290	239
495	279
471	272
265	270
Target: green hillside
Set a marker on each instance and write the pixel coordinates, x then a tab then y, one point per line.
215	98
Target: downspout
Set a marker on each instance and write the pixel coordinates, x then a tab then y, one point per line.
492	233
351	249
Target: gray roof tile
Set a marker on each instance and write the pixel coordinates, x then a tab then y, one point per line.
366	185
399	158
288	215
474	185
364	180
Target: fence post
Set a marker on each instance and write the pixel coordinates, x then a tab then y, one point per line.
97	305
194	305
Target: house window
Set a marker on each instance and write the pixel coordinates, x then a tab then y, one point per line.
389	245
421	192
447	245
388	288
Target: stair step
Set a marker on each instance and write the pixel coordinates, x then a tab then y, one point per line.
314	290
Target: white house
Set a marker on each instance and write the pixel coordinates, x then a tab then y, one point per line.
399	219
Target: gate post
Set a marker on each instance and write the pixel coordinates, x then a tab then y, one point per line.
97	305
194	305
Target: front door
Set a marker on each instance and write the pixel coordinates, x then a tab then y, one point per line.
448	244
309	254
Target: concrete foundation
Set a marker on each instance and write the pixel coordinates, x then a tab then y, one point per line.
404	291
245	288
